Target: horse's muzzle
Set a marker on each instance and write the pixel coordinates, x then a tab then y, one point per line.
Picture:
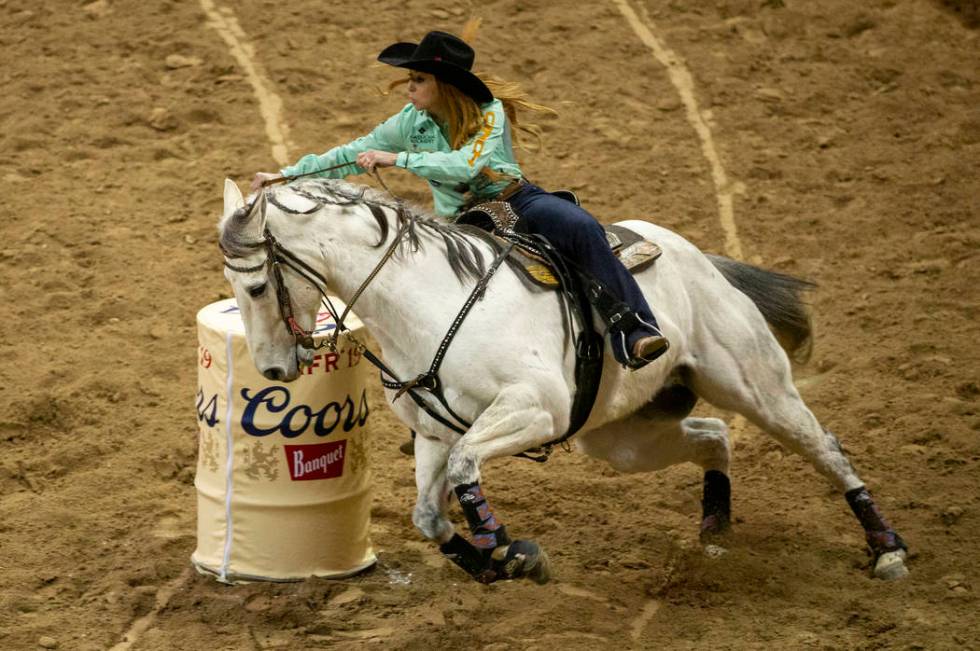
275	374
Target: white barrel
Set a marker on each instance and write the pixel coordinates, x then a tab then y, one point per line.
292	499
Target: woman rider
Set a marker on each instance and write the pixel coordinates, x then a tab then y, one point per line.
458	137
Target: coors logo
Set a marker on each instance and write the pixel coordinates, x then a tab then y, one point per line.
271	406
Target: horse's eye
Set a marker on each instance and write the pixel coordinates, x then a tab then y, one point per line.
257	290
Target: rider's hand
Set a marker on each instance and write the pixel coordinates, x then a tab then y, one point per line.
260	177
373	158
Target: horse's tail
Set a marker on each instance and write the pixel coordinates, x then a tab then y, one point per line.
779	298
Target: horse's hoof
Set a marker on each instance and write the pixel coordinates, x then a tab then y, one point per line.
890	566
541	572
522	559
714	551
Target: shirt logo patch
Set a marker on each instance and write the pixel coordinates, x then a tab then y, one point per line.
488	120
422	139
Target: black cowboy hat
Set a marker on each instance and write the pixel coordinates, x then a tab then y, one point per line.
446	56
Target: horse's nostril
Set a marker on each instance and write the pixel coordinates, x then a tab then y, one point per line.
274	373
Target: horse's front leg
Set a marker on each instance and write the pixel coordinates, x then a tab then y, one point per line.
431	507
514	422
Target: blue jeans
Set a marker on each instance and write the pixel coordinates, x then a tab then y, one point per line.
579	237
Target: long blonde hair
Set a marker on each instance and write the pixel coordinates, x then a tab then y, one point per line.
464	118
510	94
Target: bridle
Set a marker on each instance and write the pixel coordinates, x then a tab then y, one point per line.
278	256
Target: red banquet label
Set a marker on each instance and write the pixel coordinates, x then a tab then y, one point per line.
316	461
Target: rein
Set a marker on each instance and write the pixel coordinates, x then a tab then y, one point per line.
284	179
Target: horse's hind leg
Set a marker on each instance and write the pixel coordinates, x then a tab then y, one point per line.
758	384
655	439
716	495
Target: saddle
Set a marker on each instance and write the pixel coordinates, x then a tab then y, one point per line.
546	267
635	252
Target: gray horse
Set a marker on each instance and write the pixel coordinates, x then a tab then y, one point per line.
510	373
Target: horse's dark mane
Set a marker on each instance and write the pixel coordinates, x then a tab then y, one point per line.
462	242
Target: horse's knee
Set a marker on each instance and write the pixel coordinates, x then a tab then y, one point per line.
710	442
720	453
462	467
709	424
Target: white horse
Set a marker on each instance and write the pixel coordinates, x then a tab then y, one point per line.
509	371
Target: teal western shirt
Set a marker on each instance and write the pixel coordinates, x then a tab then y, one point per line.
422	149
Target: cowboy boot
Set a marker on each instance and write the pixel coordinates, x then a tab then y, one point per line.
635	342
647	349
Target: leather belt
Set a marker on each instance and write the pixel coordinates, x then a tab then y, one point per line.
510	190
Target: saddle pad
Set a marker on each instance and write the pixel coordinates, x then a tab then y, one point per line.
629	246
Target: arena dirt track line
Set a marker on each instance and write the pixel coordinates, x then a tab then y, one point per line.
223	21
682	80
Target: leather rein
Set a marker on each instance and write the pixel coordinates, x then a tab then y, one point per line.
278	256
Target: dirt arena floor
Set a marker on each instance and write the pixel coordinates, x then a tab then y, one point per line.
850	134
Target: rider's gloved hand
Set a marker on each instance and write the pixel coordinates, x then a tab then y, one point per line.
260	178
373	158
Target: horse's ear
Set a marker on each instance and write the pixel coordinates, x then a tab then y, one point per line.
233	198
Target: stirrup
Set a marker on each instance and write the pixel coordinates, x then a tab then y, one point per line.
646	350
